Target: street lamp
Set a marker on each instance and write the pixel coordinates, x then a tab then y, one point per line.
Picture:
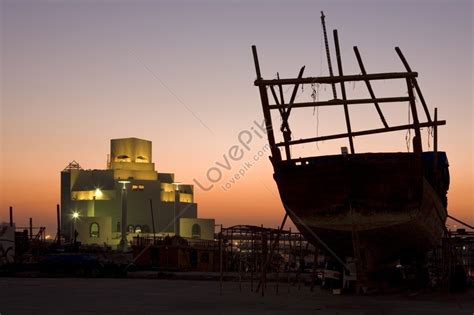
75	216
123	240
97	195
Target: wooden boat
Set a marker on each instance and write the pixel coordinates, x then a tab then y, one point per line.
376	207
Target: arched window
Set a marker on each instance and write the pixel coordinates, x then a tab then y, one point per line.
94	230
122	158
196	231
131	228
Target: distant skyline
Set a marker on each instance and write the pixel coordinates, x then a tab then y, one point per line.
180	73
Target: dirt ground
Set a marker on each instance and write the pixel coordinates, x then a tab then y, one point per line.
151	296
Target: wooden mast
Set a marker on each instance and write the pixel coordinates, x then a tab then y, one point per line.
343	92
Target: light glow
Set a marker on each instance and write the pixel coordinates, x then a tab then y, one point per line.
75	215
98	193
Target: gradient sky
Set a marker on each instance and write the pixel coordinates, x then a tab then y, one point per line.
75	74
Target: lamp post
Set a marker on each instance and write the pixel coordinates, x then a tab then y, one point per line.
123	240
75	216
97	194
176	210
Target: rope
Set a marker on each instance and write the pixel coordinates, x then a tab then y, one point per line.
315	97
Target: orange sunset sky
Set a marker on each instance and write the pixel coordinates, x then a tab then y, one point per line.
76	74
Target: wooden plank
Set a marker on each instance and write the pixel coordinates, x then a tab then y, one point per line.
343	92
435	132
365	132
369	86
415	83
293	95
338	79
348	102
417	143
285	128
266	110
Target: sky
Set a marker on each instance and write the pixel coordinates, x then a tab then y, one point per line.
75	74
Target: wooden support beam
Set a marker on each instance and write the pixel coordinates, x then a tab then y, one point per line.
277	102
365	132
417	143
340	102
285	127
266	111
328	54
338	79
369	86
415	84
273	245
58	222
459	221
343	92
435	132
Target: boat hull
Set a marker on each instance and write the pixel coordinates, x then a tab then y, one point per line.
389	202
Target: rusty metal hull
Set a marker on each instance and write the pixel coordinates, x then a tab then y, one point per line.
395	202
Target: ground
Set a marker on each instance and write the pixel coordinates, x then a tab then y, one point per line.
151	296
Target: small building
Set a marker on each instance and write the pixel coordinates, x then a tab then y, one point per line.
91	200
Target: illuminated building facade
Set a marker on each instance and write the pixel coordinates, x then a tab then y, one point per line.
91	200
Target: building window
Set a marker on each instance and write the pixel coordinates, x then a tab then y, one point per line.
94	231
196	231
122	158
131	228
138	187
138	229
141	159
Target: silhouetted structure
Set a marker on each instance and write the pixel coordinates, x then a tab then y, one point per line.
375	207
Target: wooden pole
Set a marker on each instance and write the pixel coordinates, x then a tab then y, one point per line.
220	261
278	267
152	221
253	259
58	222
272	248
415	83
338	79
357	101
300	269
240	268
266	111
365	132
11	216
262	271
417	144
31	228
369	86
289	259
285	129
435	132
343	92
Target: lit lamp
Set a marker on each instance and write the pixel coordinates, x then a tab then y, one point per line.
97	195
75	216
123	240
